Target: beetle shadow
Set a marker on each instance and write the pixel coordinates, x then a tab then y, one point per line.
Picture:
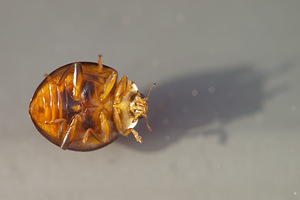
202	104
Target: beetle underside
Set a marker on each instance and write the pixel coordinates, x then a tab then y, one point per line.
80	107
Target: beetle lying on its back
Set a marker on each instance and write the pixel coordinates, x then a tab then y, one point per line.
80	107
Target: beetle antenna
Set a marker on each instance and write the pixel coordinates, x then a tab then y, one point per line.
154	84
149	128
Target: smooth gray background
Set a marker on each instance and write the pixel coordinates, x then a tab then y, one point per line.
225	112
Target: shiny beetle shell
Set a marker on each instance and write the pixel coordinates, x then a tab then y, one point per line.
81	107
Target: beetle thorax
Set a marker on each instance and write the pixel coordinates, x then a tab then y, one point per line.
130	107
138	106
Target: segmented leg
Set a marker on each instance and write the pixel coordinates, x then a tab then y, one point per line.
87	134
77	79
105	130
55	121
62	132
119	125
63	127
111	80
120	89
109	84
117	120
135	133
67	139
104	126
62	122
100	63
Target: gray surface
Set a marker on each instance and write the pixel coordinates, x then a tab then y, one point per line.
225	114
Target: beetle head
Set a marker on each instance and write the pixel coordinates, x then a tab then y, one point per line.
131	107
139	107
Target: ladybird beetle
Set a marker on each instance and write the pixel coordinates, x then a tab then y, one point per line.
81	107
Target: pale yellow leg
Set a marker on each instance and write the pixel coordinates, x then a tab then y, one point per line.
135	133
89	132
104	129
63	127
100	63
117	120
77	79
109	84
120	89
55	121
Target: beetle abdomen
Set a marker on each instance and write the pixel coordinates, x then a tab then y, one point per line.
47	107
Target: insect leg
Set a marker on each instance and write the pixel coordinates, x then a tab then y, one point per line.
121	87
62	131
67	139
87	134
109	84
117	120
104	126
135	133
119	125
55	121
77	79
100	63
104	129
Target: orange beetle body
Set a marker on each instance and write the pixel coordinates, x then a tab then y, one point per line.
80	106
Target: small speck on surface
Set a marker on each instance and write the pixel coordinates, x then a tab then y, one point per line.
194	93
211	89
295	193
